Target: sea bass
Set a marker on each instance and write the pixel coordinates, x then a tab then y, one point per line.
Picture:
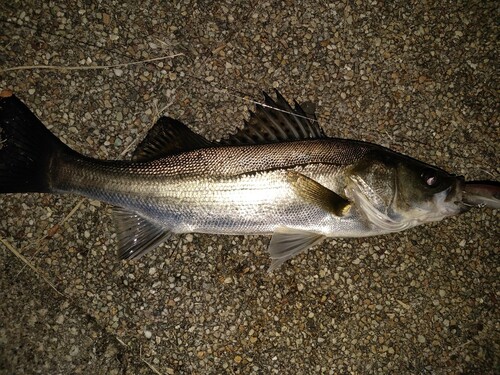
278	175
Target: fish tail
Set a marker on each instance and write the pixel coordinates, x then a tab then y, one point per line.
27	148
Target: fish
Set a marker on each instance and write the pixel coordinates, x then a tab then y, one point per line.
278	175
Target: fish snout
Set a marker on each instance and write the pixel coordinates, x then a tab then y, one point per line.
455	196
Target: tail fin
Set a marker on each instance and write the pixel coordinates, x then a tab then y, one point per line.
27	148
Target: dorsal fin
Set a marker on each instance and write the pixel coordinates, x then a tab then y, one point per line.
277	121
167	137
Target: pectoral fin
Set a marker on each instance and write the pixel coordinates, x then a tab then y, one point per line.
136	235
287	242
318	194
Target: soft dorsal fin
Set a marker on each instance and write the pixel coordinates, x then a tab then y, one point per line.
136	235
167	137
277	121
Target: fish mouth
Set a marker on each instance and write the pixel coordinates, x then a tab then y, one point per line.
455	196
455	191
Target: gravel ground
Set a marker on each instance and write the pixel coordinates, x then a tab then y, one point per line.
421	78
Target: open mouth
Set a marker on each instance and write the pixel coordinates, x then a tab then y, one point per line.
454	200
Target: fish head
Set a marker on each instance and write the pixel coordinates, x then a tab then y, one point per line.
395	192
428	193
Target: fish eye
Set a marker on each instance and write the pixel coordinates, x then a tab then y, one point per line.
430	178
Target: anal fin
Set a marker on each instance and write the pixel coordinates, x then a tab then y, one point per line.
136	235
288	242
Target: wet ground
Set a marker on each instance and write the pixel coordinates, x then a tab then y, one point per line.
420	78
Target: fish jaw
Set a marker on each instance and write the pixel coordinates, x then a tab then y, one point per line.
449	202
443	204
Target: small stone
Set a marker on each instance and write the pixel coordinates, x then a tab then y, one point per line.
348	75
148	334
95	203
74	351
421	339
106	19
238	359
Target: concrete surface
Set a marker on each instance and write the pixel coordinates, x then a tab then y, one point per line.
419	77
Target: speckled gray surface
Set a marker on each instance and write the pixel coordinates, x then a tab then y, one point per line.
421	78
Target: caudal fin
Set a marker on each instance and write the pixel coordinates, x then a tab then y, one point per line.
27	149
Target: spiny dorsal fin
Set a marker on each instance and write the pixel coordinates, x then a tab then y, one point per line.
167	137
136	235
277	121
